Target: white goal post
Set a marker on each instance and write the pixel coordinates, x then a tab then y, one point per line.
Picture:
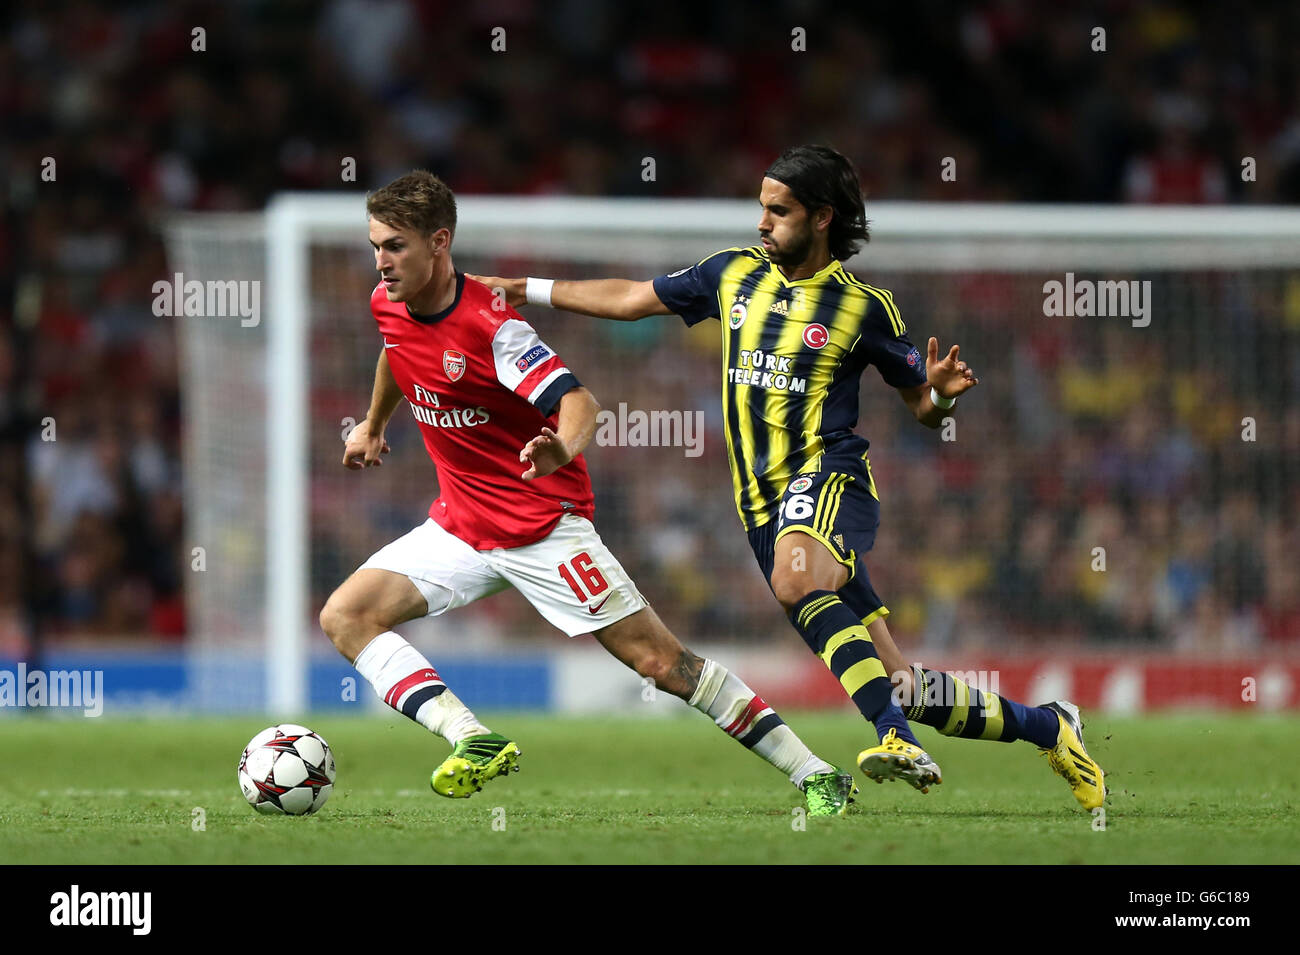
642	236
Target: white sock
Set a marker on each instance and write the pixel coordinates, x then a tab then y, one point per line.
407	682
742	715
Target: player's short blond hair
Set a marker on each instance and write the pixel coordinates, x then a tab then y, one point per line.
419	200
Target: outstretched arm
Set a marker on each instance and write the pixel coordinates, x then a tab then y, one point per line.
552	450
622	300
366	442
950	377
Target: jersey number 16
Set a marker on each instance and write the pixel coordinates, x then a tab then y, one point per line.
582	568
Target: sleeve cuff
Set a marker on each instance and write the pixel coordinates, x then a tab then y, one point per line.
549	400
665	295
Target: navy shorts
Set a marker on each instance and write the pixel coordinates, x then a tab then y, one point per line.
839	507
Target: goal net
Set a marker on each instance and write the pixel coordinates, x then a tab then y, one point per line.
1121	482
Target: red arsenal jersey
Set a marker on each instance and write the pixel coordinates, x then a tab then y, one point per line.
481	384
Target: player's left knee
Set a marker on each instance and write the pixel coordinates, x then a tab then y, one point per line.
792	586
332	621
343	623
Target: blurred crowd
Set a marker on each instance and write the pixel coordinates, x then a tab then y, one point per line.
1132	445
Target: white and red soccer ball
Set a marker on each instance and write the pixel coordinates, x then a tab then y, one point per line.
286	769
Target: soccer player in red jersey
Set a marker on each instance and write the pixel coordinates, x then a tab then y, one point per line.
505	422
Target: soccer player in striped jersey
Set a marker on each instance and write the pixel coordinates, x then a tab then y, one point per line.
504	421
798	331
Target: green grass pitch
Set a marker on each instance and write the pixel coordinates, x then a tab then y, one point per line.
1184	789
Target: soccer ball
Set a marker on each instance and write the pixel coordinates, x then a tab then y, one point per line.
286	769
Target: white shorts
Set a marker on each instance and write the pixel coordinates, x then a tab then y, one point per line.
569	575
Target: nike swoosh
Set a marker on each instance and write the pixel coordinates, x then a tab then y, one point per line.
394	345
596	609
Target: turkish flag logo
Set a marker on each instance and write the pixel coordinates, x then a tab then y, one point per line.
816	336
453	363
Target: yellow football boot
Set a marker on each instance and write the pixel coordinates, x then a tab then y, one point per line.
896	759
1070	759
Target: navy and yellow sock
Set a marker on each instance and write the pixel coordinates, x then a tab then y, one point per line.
834	633
953	708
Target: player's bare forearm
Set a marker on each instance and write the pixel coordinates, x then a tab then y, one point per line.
577	420
365	446
925	410
384	398
622	300
574	429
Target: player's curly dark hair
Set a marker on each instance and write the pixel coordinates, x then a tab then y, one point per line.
419	200
819	176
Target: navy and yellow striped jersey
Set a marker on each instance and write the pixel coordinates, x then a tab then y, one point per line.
792	354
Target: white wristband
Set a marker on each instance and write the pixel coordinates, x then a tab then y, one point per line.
538	291
938	399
